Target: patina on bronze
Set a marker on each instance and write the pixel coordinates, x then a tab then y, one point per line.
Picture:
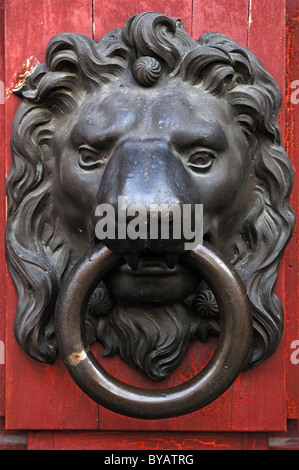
151	114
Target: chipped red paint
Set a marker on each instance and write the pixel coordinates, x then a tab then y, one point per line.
19	78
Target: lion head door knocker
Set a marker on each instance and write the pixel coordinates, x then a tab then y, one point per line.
147	117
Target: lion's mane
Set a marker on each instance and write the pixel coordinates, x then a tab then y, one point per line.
39	258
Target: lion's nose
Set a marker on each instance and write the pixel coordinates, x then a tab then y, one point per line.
147	185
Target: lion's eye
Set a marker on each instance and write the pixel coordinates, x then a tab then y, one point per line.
90	158
201	160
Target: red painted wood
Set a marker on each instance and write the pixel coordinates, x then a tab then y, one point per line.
178	441
259	396
156	441
292	254
114	14
136	441
40	395
43	440
266	31
2	216
255	441
229	17
62	440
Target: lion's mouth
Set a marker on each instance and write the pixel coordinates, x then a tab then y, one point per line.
151	276
152	264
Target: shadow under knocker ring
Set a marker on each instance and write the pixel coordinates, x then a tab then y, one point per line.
213	380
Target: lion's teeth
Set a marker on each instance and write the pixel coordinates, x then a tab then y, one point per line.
171	259
133	260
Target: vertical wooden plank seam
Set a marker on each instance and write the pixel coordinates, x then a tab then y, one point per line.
192	13
2	212
6	150
232	388
292	17
5	201
93	27
283	120
92	20
249	7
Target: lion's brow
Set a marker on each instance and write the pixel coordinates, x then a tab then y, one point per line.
81	135
205	134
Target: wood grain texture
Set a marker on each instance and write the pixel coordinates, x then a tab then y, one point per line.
229	17
174	441
292	253
2	214
177	441
109	15
266	37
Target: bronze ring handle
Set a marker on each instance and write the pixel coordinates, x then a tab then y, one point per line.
225	365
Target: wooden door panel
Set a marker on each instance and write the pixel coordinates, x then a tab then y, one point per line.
2	217
229	17
175	441
109	15
292	253
41	396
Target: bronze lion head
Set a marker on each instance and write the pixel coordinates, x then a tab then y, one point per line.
151	114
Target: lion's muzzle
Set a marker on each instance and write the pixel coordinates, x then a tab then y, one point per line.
148	176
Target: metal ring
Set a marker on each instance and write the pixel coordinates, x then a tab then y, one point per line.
211	382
